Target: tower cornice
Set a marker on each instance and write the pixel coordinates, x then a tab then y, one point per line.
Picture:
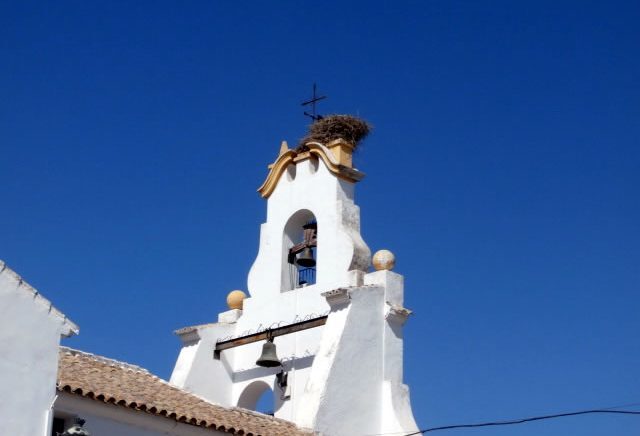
321	151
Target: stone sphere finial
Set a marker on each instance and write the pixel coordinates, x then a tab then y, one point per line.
235	299
384	259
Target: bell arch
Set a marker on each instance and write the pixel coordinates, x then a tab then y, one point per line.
254	392
300	231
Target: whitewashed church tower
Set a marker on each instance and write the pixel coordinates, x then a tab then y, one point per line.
336	326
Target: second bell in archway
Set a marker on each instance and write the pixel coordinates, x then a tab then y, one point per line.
306	259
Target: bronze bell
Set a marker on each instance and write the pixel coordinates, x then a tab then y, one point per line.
269	358
306	259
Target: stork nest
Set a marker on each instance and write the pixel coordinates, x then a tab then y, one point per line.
331	127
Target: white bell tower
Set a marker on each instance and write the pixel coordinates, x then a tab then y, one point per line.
337	327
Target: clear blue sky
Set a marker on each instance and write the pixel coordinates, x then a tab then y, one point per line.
503	171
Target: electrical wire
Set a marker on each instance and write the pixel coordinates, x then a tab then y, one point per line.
524	420
610	409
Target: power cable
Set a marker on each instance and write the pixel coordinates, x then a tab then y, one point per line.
523	420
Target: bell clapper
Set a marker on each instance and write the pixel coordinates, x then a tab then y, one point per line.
281	380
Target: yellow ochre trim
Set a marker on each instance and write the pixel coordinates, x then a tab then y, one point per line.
277	168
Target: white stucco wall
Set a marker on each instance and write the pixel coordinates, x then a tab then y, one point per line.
104	419
340	246
30	330
345	377
355	385
341	394
223	381
340	249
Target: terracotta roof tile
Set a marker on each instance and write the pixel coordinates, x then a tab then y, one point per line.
130	386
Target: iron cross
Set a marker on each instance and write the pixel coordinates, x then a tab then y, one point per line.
314	99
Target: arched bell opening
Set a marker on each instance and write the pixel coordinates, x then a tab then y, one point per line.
266	403
300	246
258	396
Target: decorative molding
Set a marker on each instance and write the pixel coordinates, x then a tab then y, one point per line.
191	328
190	335
337	297
396	314
288	157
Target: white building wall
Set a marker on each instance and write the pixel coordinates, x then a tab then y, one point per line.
311	187
29	338
340	246
342	395
345	377
104	419
341	252
195	371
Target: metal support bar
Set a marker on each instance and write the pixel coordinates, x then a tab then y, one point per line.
271	333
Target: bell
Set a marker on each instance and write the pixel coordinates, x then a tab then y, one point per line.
306	259
269	358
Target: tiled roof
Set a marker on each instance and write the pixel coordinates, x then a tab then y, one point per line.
119	383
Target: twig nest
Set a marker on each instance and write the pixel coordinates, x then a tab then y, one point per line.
235	299
384	260
331	127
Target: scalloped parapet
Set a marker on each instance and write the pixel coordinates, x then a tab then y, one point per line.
336	156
